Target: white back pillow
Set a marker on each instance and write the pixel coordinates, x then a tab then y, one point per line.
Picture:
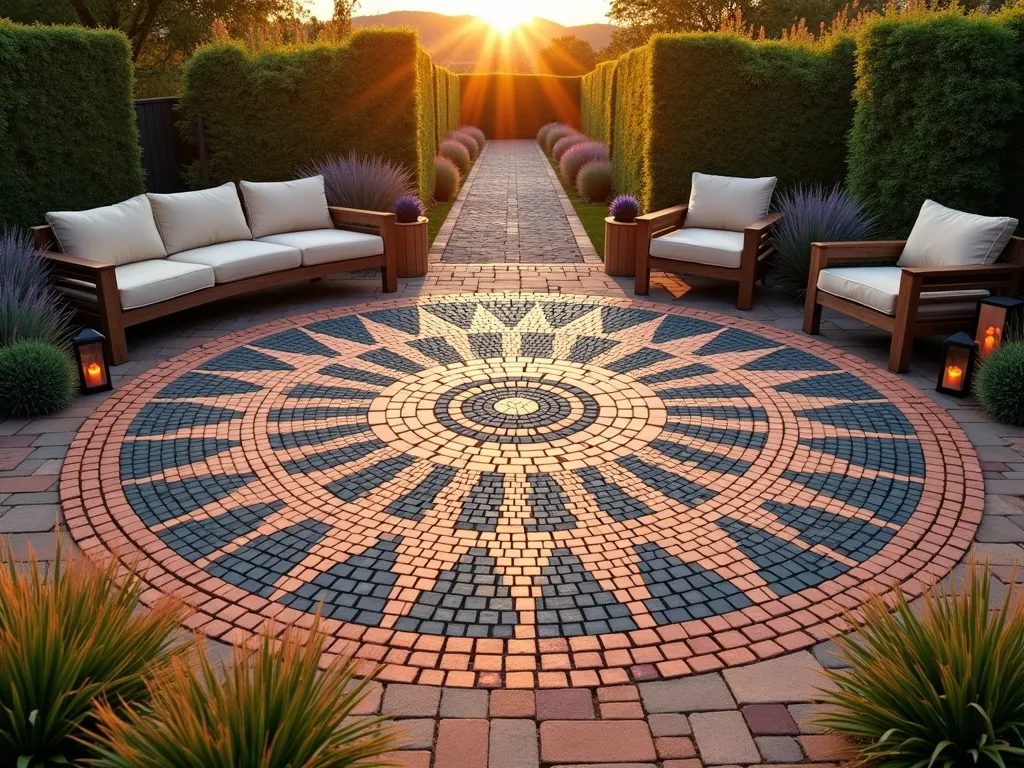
943	237
286	206
188	220
728	202
114	234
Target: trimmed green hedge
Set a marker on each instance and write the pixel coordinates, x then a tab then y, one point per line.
1013	166
597	96
268	114
631	132
440	106
68	137
938	105
512	106
454	101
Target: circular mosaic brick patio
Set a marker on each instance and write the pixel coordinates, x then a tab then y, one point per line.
525	489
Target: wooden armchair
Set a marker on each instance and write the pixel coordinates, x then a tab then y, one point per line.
922	304
745	267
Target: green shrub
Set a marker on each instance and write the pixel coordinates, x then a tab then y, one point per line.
72	634
941	686
270	113
631	134
507	106
440	106
937	102
454	103
999	384
35	378
597	94
267	709
1013	164
68	136
594	181
446	179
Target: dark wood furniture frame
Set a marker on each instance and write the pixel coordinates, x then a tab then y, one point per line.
1001	278
758	246
93	287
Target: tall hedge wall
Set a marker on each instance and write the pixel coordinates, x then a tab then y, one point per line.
512	106
270	113
68	137
938	99
1013	166
631	126
440	106
454	101
597	94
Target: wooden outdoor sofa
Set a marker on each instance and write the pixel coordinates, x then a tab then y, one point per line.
91	285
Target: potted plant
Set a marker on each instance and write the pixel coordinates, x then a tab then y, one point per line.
620	237
412	237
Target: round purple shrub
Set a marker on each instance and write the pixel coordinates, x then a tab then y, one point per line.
545	129
408	209
468	142
594	182
366	183
476	133
446	179
579	155
457	153
624	208
566	143
560	131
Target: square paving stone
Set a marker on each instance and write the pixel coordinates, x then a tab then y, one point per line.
796	677
411	700
689	694
416	734
723	738
465	703
507	703
804	715
419	759
581	741
669	725
513	744
770	720
565	704
779	749
461	744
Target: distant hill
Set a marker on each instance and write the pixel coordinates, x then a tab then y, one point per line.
467	44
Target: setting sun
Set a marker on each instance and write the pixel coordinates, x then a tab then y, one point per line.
506	17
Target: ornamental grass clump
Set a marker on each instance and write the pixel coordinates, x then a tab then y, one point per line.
940	685
468	142
624	208
457	153
370	183
579	155
564	144
594	182
408	209
36	378
72	635
476	133
814	214
447	179
545	129
30	308
559	131
999	384
272	708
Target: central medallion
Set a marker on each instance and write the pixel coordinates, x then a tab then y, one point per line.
517	406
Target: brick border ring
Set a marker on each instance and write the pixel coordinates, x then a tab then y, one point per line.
525	490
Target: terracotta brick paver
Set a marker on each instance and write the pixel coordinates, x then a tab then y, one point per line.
581	742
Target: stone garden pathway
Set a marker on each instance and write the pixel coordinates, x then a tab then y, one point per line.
619	603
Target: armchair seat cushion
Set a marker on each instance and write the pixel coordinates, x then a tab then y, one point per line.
142	283
879	288
715	247
320	246
240	259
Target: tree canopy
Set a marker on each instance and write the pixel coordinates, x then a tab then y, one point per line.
566	55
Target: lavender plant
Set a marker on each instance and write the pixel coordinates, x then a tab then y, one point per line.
579	155
624	208
814	214
30	308
370	183
408	209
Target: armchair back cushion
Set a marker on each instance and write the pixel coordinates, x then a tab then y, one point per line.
727	202
188	220
286	206
943	237
114	234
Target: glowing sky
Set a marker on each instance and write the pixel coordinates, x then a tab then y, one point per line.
567	12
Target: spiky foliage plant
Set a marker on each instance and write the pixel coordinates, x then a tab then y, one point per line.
594	181
408	209
457	153
36	378
468	142
624	208
369	183
542	134
272	708
999	384
447	179
71	635
940	686
476	133
814	214
30	308
564	144
579	155
559	131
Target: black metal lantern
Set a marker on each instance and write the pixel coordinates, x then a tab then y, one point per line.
999	318
958	355
93	370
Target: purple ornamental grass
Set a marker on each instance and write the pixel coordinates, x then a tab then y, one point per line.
813	214
624	208
466	140
408	209
457	153
476	133
30	308
579	155
542	134
446	179
559	131
594	182
564	144
370	183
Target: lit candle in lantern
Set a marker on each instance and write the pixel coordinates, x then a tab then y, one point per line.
93	374
990	340
954	375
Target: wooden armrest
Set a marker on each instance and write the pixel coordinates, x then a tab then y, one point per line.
768	221
356	216
667	217
984	271
854	251
79	262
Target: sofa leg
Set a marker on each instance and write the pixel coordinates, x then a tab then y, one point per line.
745	299
642	282
117	345
389	278
812	317
899	352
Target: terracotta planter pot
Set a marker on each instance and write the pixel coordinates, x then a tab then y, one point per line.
412	248
619	247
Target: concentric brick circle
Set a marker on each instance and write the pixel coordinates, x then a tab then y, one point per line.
525	490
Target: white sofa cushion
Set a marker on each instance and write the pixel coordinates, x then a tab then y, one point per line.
142	283
943	237
114	234
320	246
193	219
716	247
241	259
286	206
879	288
727	202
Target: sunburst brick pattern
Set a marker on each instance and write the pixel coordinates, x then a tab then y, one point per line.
472	490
